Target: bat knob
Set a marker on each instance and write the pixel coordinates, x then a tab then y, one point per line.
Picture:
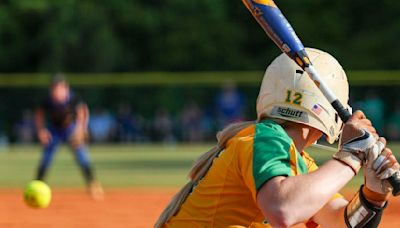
394	180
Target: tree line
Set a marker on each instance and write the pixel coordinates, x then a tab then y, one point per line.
178	35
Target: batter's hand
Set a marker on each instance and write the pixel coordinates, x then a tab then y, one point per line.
358	136
355	128
44	136
380	165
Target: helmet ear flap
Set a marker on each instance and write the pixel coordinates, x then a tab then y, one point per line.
287	93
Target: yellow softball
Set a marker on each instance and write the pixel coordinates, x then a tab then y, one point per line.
37	194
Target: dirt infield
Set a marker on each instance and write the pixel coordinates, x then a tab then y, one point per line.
121	208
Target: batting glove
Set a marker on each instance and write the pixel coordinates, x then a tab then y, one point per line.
380	165
358	136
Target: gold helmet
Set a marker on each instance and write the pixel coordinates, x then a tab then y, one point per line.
287	93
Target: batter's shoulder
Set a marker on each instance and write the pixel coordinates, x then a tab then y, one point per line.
269	130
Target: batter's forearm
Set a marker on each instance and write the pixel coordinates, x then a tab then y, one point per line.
298	198
331	215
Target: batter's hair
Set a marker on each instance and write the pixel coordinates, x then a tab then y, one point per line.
199	169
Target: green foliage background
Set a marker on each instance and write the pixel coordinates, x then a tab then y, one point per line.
178	35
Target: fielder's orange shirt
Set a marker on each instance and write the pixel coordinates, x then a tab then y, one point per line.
226	196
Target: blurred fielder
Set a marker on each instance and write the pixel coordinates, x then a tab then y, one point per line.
258	175
68	121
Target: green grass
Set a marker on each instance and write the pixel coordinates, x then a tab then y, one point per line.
117	166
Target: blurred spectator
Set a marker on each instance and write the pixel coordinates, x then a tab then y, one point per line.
229	105
101	125
193	129
393	123
208	126
4	139
128	124
24	129
163	126
373	107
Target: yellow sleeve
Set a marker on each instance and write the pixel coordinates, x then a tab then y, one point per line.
245	164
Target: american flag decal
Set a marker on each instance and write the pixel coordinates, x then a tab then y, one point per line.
316	109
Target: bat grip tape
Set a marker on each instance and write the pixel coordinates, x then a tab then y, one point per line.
343	113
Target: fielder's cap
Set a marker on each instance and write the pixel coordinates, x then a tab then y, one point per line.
58	78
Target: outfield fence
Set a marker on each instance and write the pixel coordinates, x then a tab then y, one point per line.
149	92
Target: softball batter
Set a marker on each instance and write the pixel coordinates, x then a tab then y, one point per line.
260	176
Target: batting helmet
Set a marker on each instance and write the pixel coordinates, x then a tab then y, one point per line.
287	93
